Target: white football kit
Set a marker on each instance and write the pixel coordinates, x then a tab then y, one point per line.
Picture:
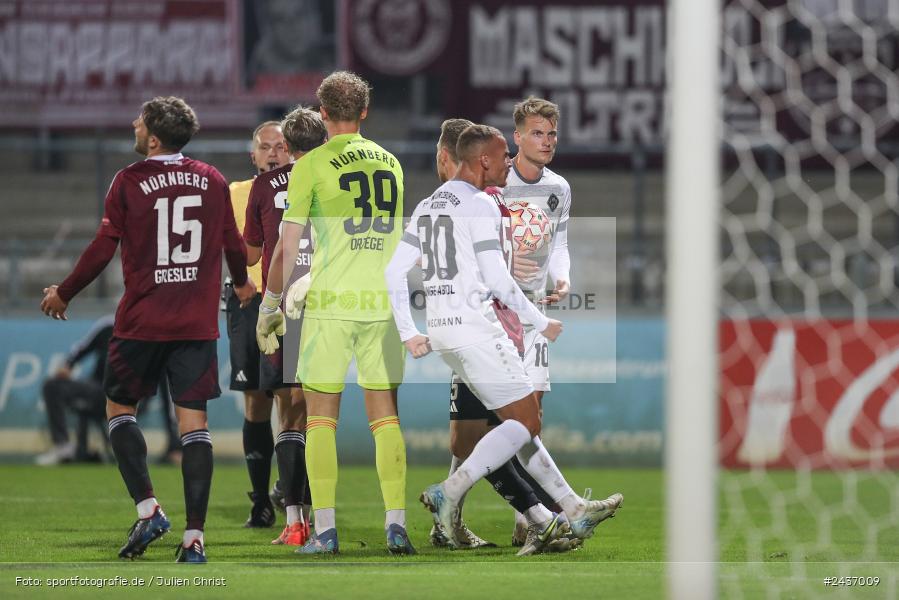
553	195
455	235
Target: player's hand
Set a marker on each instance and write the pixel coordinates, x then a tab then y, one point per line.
246	292
296	296
525	269
63	372
418	346
558	294
52	305
553	330
268	327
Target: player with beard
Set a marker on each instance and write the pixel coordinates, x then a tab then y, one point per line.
173	217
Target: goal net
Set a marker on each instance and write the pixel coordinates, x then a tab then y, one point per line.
809	307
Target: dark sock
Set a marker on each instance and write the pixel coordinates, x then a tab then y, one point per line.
291	451
130	451
545	499
258	447
196	470
515	490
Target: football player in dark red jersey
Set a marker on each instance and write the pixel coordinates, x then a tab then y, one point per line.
303	130
173	218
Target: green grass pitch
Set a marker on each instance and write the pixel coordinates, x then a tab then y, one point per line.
69	521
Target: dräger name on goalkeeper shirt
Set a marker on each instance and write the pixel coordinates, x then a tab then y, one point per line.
351	190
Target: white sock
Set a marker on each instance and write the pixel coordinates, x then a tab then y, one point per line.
537	461
573	505
190	535
146	508
324	520
491	452
397	516
293	514
519	518
538	514
454	464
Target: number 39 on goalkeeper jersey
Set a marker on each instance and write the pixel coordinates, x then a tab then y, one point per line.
352	190
450	227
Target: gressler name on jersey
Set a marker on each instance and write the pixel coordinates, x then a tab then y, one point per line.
350	156
157	182
175	275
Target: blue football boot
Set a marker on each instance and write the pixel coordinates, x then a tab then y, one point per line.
144	532
321	543
398	540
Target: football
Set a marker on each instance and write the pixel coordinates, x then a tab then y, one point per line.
531	228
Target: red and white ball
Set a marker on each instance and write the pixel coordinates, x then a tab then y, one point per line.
531	228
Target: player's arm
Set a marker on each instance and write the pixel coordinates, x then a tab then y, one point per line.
94	258
236	254
559	259
254	254
283	257
484	234
253	234
406	256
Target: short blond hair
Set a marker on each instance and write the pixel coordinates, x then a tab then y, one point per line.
344	95
535	107
450	131
473	139
303	130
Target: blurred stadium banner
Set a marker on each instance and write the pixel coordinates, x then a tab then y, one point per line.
602	61
70	63
588	424
810	394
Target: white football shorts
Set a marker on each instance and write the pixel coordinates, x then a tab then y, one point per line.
536	358
492	370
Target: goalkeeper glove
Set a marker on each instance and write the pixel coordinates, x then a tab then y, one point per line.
296	296
270	323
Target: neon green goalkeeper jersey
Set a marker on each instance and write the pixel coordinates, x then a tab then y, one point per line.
352	191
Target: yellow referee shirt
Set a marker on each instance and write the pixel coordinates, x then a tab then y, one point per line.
240	197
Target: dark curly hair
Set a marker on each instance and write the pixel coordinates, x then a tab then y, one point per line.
171	120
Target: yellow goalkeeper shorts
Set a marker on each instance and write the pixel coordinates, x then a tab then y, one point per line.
328	345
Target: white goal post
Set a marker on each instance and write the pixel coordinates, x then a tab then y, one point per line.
692	249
